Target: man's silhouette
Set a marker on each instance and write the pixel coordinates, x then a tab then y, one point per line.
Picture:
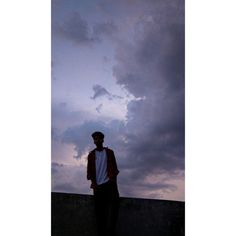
102	171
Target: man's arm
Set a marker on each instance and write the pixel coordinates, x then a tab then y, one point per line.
90	175
88	168
115	170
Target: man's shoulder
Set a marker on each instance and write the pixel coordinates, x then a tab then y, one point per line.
92	152
108	149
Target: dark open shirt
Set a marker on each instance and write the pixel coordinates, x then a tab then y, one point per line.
112	170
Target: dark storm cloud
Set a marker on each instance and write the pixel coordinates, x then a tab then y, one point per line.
63	116
130	186
80	135
154	63
55	134
153	67
56	167
98	108
76	29
100	91
106	59
69	178
105	29
156	137
163	51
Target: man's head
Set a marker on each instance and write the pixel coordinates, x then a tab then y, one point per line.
98	138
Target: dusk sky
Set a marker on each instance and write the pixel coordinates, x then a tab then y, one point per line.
118	67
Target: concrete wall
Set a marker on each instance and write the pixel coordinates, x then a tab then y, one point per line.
73	215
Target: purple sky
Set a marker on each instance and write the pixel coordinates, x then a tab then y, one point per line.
118	67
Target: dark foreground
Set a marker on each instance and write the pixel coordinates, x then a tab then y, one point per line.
73	215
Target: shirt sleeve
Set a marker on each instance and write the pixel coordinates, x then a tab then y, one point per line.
88	167
114	165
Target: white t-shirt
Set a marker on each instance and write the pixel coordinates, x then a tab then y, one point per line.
101	167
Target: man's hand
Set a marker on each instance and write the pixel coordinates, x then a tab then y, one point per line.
94	185
112	179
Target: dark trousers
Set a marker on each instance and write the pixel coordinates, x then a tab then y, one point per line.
106	197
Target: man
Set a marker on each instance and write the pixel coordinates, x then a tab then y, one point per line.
102	171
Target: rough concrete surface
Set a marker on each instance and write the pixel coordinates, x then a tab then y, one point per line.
73	215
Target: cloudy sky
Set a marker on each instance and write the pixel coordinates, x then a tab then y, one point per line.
118	67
